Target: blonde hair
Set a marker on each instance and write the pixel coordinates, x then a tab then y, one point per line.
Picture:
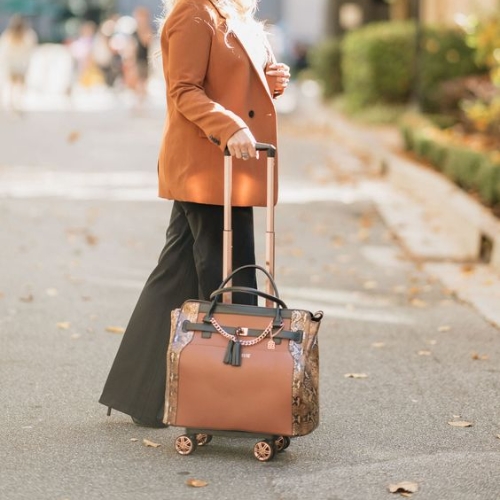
244	10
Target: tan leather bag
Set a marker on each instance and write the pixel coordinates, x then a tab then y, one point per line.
243	368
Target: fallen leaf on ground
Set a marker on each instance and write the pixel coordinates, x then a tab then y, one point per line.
91	239
2	295
63	325
356	375
75	336
479	357
338	241
498	436
424	353
418	303
115	329
73	136
196	483
150	444
404	488
414	290
26	298
444	328
432	342
460	424
52	292
134	440
378	344
366	220
467	268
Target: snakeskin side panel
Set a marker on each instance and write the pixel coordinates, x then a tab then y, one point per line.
178	340
305	390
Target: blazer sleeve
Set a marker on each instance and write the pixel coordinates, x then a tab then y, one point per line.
186	43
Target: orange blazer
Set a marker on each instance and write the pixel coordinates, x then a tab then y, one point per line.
213	90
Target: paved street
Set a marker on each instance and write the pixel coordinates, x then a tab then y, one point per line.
81	228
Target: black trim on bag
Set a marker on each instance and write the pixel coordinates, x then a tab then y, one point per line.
207	330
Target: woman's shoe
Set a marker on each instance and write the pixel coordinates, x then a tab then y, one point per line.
155	425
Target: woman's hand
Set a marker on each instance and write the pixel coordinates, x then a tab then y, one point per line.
281	72
242	145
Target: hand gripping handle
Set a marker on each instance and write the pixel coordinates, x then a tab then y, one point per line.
260	146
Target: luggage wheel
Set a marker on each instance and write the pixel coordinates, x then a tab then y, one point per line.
264	450
185	445
282	443
203	439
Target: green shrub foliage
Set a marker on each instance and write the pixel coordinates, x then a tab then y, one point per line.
379	63
325	60
470	169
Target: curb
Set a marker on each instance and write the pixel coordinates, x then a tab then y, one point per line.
458	228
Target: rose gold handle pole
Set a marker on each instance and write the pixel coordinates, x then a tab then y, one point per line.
227	244
270	234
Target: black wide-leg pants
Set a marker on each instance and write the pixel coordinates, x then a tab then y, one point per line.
189	267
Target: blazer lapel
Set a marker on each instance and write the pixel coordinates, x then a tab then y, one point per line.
260	71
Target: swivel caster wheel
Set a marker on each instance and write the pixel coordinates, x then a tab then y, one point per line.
185	445
203	439
282	443
264	451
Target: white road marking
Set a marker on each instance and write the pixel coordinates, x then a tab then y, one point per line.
27	183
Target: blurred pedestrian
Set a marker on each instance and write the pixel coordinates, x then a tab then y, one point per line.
87	72
17	44
221	78
142	40
105	52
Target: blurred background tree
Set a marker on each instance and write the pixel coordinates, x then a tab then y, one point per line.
56	20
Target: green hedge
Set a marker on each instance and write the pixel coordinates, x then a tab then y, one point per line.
470	169
378	63
325	60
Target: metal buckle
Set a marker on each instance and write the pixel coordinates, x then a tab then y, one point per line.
241	332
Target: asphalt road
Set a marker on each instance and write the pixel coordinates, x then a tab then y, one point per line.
81	229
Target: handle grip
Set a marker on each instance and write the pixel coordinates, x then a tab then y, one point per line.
259	146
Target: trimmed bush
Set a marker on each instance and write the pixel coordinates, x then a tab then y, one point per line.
378	63
462	165
488	179
471	169
325	60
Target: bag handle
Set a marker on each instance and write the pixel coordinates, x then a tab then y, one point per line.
257	268
278	321
250	291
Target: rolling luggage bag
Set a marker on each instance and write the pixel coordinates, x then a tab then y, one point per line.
241	370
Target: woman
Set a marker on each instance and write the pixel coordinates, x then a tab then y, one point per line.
221	78
17	44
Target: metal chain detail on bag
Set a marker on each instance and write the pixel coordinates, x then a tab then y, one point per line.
236	338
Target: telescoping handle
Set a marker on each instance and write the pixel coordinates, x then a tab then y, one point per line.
227	262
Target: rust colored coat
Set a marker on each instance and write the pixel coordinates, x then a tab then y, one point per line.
213	90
